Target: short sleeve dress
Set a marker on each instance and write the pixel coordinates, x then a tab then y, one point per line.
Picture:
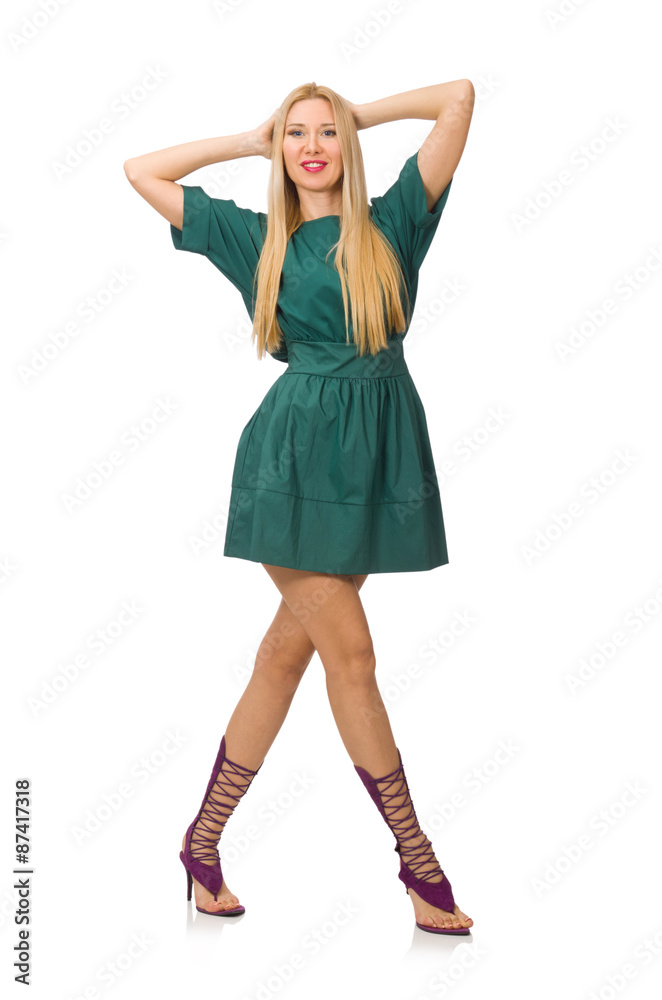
334	470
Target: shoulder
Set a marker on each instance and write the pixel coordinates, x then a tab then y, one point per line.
223	213
404	203
402	215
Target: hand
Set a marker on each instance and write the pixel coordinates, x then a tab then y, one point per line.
356	114
263	136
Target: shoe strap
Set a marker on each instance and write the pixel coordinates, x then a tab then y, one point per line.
394	787
216	809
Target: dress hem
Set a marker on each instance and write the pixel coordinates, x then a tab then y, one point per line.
337	572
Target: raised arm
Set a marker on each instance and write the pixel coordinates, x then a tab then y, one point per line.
451	104
153	175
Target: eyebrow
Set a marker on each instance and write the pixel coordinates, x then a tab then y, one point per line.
303	124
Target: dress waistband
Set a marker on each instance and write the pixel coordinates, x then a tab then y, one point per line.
341	360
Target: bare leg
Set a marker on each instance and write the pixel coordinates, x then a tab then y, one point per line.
280	663
330	610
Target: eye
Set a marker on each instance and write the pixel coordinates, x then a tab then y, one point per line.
294	131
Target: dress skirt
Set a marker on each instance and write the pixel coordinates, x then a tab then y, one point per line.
334	470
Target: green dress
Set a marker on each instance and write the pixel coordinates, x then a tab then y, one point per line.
334	470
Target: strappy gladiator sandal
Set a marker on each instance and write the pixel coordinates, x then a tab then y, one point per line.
439	894
229	780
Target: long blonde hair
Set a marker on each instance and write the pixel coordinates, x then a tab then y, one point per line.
371	276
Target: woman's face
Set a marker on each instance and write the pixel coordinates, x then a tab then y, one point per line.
310	135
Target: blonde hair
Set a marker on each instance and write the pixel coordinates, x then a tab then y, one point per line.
371	276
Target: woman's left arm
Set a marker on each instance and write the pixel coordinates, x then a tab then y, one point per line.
451	104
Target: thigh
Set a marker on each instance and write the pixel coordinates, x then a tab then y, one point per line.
287	636
327	607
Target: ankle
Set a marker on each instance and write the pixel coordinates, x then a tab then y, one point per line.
418	854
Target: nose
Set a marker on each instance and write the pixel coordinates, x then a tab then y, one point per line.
312	145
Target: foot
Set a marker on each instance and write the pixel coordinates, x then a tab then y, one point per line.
426	914
432	916
226	900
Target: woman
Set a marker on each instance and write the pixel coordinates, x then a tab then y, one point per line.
334	477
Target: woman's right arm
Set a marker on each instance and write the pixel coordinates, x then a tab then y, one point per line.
153	175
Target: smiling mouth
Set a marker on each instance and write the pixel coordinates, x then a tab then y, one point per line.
314	166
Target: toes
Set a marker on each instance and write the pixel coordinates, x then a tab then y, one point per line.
450	921
215	905
461	918
446	921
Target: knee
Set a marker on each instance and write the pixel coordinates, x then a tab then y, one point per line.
280	670
356	667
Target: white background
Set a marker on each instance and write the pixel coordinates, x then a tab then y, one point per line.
550	920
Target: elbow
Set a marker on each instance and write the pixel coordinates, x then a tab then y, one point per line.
461	93
465	94
130	170
459	108
468	98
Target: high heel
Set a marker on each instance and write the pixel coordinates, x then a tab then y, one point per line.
439	894
211	811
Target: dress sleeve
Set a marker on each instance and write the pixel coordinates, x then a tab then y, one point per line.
401	213
229	236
